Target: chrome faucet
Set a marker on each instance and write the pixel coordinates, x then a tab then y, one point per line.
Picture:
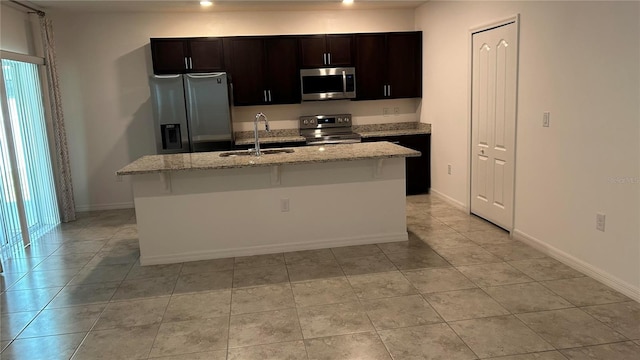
259	115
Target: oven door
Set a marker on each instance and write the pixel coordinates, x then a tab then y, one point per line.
328	83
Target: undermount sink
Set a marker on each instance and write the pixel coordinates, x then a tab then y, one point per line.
251	152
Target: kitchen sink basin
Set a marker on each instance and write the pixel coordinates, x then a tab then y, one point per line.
251	152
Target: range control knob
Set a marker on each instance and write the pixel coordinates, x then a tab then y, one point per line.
346	119
306	122
339	120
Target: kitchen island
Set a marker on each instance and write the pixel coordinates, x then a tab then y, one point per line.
199	206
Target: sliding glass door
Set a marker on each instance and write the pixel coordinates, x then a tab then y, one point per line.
28	191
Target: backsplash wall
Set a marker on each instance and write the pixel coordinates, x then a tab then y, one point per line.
363	112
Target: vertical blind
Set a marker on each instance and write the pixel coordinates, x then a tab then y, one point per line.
32	156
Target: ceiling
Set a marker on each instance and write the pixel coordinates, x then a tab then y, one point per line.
219	6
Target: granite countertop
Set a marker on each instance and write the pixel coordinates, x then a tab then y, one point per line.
395	129
271	137
301	155
366	131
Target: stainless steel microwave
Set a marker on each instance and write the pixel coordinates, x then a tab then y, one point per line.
328	83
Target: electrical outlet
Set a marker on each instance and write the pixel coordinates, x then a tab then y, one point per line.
600	221
396	111
449	169
546	118
386	111
284	205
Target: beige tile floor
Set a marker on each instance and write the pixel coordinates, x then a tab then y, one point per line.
458	289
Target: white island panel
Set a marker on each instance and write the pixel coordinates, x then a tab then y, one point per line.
207	214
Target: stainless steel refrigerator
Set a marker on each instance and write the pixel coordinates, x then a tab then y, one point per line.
191	112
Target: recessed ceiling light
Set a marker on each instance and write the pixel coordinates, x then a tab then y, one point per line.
347	2
206	3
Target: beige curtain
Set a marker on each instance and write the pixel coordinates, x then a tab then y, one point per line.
64	186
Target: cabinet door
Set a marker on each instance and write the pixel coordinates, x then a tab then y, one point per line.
312	51
418	169
405	64
340	48
206	55
168	56
246	65
283	79
371	68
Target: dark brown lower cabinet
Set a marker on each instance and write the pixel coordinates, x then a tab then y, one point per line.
418	169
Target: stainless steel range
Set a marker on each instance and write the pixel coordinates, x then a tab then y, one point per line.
328	129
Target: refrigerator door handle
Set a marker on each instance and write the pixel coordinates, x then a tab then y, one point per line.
166	76
210	75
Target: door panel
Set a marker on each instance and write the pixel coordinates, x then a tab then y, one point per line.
168	56
206	55
481	178
282	70
207	109
340	48
498	182
246	65
404	69
371	66
493	121
484	94
312	50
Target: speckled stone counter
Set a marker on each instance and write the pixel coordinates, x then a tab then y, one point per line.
301	155
396	129
271	137
366	131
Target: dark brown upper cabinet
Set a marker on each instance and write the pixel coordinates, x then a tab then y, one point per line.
187	55
388	65
264	70
329	50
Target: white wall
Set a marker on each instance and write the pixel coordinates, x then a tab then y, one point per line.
15	31
104	61
581	62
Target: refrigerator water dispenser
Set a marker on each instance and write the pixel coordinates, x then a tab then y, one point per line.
171	139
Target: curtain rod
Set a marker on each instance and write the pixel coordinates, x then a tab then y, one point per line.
39	12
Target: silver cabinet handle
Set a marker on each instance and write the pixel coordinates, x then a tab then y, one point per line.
324	58
264	95
269	92
384	90
186	63
329	57
388	90
190	63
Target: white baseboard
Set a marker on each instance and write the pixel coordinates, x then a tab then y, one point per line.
271	249
579	265
453	202
98	207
